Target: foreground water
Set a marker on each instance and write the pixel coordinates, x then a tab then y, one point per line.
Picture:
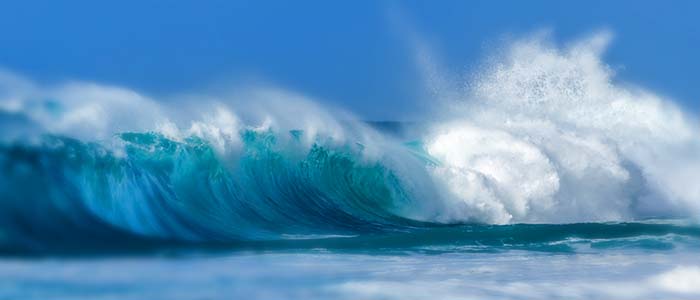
649	260
319	274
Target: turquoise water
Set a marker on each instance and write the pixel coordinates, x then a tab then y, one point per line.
66	197
173	219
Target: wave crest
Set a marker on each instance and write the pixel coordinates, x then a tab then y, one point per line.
543	135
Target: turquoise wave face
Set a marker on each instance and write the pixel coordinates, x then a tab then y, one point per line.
64	195
184	191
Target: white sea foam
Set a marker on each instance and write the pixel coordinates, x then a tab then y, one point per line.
545	134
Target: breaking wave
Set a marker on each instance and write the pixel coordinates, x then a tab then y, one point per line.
542	134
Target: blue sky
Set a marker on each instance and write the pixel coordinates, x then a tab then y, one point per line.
349	53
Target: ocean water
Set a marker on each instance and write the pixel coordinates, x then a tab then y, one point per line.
649	260
541	178
168	219
321	274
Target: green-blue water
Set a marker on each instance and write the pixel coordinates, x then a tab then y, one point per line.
63	196
154	217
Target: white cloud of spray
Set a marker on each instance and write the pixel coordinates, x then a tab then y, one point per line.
97	112
544	134
78	109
